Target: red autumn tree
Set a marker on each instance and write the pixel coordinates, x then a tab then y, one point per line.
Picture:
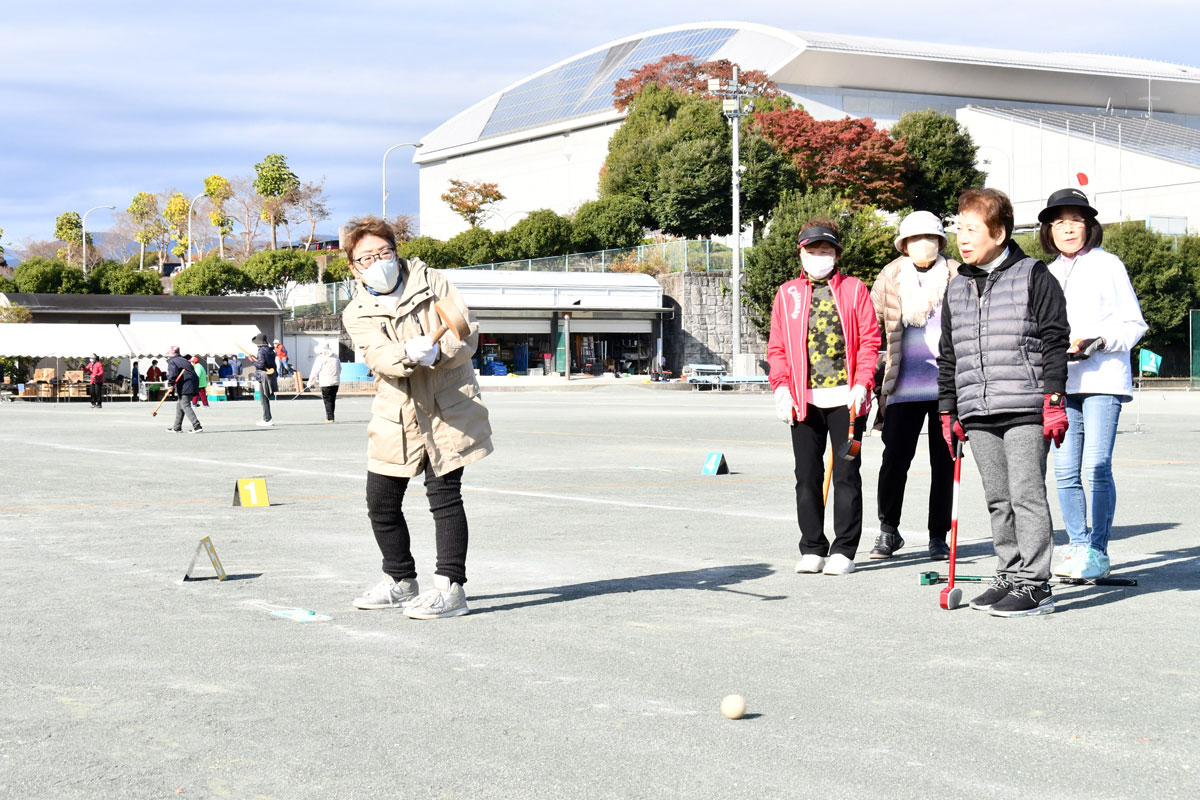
852	156
470	199
685	74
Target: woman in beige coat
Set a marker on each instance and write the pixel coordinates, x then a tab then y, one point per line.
908	301
427	417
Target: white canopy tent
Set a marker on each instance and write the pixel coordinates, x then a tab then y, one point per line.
54	340
147	340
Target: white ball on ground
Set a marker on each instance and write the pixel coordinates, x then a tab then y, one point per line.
733	706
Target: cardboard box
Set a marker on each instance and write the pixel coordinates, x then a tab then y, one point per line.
47	390
43	375
73	375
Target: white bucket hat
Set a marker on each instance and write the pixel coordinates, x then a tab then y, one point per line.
920	223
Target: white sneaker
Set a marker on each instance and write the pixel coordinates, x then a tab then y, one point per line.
810	563
387	593
445	599
265	423
838	564
1067	553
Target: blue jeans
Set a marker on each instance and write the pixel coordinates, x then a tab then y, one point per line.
1087	449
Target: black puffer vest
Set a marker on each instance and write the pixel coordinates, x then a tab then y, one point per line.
996	343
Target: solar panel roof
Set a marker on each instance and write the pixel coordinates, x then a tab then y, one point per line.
584	86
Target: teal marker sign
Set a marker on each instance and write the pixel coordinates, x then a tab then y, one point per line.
715	464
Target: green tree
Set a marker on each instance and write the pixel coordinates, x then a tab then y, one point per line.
767	175
274	181
694	193
68	229
219	191
1160	279
473	246
49	276
113	277
213	277
13	313
337	270
866	241
542	233
433	252
278	271
941	160
612	221
16	368
143	210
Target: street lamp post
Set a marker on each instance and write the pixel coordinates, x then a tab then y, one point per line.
385	155
189	245
732	94
83	225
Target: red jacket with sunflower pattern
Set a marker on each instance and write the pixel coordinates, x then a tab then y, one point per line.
787	347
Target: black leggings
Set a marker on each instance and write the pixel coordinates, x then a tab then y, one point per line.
385	499
809	438
902	424
329	396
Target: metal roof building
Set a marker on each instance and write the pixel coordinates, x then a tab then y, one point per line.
544	139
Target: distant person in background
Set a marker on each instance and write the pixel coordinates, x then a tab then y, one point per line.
326	373
281	358
1106	324
264	365
201	382
181	378
95	371
225	370
135	380
154	374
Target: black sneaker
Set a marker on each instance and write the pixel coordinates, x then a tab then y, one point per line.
994	594
885	545
1025	601
939	550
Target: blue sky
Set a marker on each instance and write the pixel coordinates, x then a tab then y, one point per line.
103	100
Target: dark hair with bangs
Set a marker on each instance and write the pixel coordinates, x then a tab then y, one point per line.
1095	235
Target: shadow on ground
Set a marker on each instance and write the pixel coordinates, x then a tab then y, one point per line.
718	579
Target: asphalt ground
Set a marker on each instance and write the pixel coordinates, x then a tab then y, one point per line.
617	595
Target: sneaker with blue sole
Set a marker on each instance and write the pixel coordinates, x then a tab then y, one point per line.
1066	557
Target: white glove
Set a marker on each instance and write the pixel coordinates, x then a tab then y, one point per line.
421	349
858	396
784	405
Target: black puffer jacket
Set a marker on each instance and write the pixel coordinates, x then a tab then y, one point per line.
180	367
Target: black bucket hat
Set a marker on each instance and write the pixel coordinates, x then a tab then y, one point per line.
818	233
1066	197
259	339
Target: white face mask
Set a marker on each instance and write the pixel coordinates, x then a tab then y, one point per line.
381	276
922	251
817	267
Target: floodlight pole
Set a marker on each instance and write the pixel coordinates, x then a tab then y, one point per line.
385	155
731	105
83	225
189	245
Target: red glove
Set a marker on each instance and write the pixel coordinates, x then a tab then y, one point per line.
952	429
1054	420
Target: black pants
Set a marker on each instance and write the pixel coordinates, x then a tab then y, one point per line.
329	397
385	498
809	437
901	431
96	393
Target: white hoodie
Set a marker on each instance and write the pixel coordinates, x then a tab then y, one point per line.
1100	302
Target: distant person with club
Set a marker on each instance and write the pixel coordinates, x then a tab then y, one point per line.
1106	324
822	348
1002	374
326	374
908	305
95	371
264	371
181	378
427	418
